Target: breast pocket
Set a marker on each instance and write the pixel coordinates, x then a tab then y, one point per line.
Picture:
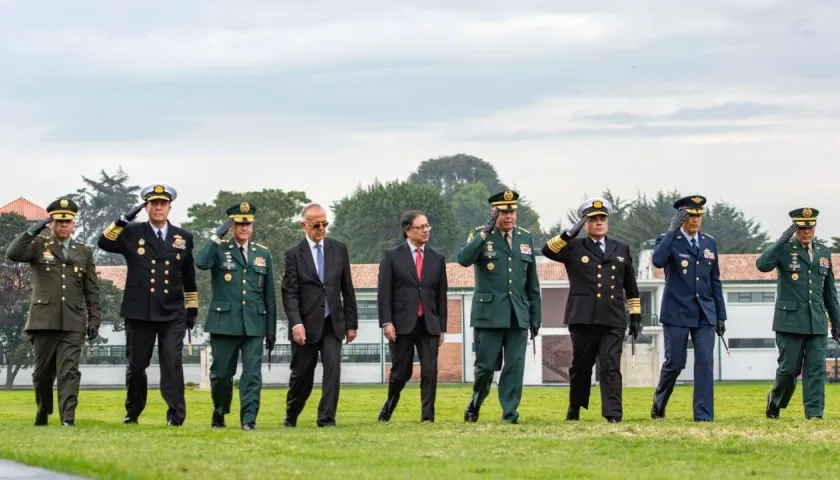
262	273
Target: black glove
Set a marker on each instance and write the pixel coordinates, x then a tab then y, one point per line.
129	217
270	340
835	333
39	225
223	229
788	233
92	332
635	327
678	220
192	314
573	232
721	328
535	330
491	222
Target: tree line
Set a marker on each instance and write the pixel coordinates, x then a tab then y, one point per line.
451	190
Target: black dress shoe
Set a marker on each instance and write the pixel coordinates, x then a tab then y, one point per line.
289	423
573	414
814	418
385	413
218	420
326	424
656	412
772	411
174	423
41	419
613	419
249	426
68	423
129	420
471	414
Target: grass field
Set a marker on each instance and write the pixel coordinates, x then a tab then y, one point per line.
740	443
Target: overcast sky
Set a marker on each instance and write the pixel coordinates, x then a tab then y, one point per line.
737	100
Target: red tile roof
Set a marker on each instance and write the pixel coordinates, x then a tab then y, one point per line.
25	208
733	267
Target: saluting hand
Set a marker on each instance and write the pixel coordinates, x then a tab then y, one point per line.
40	225
130	216
573	232
223	229
788	233
491	222
678	220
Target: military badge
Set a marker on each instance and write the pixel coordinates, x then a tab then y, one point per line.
490	266
228	277
584	259
179	243
244	207
48	255
684	263
177	257
470	237
524	249
141	242
489	246
508	196
708	254
64	203
823	262
259	262
685	271
794	277
620	259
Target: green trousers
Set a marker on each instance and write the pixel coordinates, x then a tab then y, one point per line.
803	354
226	349
511	343
57	355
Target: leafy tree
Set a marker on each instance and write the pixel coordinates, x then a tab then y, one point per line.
15	291
834	245
276	226
368	221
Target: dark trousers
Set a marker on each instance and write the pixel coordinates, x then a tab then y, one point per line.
676	353
304	361
226	349
139	346
57	355
801	354
604	343
402	366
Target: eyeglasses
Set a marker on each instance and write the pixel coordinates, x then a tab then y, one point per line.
422	227
318	225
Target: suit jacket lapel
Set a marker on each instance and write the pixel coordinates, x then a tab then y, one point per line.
590	245
307	258
611	246
237	255
407	255
55	248
803	254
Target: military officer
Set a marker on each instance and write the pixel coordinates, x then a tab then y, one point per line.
506	303
243	311
63	309
160	300
806	302
692	304
601	276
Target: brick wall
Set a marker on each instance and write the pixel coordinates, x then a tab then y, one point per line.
453	320
449	365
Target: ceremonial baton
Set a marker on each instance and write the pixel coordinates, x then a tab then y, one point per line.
269	359
534	345
189	347
725	346
633	349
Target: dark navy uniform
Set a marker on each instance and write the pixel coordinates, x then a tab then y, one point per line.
692	304
601	278
160	301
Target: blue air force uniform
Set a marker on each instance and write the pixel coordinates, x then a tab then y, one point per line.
692	304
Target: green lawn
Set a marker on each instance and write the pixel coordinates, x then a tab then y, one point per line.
740	443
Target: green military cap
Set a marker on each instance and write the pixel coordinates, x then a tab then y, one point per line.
158	191
804	217
242	213
63	209
504	201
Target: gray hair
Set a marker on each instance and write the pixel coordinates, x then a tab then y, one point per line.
307	208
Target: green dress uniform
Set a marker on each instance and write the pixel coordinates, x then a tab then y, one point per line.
506	304
806	301
63	307
242	312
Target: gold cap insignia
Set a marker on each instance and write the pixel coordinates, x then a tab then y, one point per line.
598	204
244	207
64	203
696	199
508	195
158	188
807	212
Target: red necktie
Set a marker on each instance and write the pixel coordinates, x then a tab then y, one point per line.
419	264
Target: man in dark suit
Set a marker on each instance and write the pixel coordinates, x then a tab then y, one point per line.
600	276
411	296
160	300
692	304
320	302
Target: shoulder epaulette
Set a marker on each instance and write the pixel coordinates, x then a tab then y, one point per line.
479	227
706	234
260	245
523	230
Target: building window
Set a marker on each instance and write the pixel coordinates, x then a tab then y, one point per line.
752	343
751	297
367	309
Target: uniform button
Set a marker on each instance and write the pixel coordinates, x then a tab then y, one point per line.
64	286
510	259
510	281
613	267
510	269
599	275
166	282
599	285
166	291
152	280
62	275
244	292
166	262
599	295
698	294
152	290
243	302
166	272
810	291
612	287
218	309
599	266
48	269
245	270
153	271
698	262
612	277
244	281
698	279
62	299
153	262
612	296
510	293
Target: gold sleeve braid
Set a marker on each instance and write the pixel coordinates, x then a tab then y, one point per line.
191	299
556	244
635	305
112	232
